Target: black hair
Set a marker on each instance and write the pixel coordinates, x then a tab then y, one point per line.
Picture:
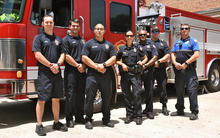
128	31
75	20
185	24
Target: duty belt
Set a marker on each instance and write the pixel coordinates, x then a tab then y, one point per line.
135	69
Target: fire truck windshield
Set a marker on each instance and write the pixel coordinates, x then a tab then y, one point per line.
11	10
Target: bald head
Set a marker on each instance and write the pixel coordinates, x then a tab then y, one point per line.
99	31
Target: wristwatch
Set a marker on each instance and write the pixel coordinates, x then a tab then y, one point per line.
186	63
59	64
158	61
104	64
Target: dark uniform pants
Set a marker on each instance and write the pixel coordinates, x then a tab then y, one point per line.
147	77
74	82
94	82
161	78
133	98
189	78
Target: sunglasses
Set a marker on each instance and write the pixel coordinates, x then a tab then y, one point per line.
129	35
184	28
142	34
155	31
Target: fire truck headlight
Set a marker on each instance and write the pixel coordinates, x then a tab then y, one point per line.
19	74
20	61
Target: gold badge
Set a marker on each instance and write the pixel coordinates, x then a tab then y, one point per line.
124	53
57	42
135	50
161	44
106	46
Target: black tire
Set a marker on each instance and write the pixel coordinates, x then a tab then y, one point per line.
97	105
213	82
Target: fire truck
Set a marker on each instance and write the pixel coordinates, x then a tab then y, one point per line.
203	28
20	22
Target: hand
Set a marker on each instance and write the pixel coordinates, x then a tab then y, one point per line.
156	64
140	63
80	68
124	67
54	68
178	66
184	66
101	68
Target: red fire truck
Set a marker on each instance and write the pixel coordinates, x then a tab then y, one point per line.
20	21
205	29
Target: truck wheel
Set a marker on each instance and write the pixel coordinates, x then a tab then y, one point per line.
213	82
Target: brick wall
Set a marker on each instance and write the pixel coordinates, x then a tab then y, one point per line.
189	5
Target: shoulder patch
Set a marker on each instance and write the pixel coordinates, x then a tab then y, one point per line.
195	40
83	41
106	46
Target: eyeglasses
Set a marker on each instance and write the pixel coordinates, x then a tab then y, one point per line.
101	29
184	28
142	34
129	35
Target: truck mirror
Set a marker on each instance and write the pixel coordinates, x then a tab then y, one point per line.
46	4
166	23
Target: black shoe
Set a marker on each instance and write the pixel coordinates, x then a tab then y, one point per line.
139	121
59	126
40	130
88	125
108	124
128	120
193	116
144	111
178	113
70	124
150	116
80	121
165	111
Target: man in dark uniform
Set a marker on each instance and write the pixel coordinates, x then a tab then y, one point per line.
98	54
131	68
74	74
184	55
49	52
160	66
147	75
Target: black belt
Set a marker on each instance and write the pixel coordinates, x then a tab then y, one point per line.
135	69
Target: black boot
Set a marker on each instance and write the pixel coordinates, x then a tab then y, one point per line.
164	110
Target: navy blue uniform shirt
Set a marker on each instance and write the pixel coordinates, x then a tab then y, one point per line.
162	49
98	52
149	49
130	55
73	46
184	49
50	47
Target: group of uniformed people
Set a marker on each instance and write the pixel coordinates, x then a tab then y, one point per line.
145	62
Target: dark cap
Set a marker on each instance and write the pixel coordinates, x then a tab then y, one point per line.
155	28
